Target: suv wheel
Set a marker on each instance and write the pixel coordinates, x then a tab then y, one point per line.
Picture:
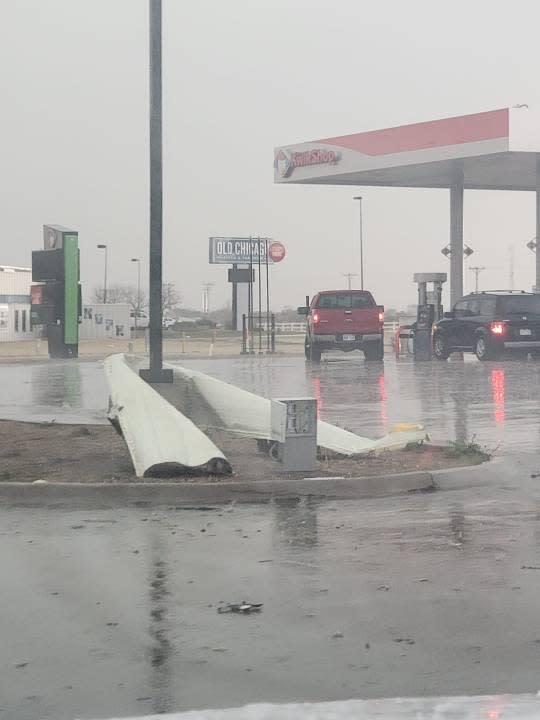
440	348
482	349
374	351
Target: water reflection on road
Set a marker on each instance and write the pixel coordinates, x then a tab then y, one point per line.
495	402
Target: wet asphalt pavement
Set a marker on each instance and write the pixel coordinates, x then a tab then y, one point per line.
115	612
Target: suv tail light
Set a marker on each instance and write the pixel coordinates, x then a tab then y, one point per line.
381	316
498	328
315	318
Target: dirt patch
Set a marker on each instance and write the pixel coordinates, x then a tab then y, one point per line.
97	454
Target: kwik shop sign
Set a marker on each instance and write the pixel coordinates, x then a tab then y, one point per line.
286	160
244	250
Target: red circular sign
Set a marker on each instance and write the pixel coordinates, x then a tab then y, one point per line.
276	251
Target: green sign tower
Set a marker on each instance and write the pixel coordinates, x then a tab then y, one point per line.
58	305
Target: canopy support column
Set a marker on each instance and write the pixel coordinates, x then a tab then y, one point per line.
456	241
537	283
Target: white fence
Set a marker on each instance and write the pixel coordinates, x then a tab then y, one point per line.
300	327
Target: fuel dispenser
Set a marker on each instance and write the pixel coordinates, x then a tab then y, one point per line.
429	311
56	301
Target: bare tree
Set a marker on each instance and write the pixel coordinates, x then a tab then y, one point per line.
122	294
170	298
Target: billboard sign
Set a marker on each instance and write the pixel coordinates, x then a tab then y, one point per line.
241	250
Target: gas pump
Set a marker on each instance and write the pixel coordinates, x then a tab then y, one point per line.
429	311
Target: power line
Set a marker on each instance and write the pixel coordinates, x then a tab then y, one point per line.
349	276
477	270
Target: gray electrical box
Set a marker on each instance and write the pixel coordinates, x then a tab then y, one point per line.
294	428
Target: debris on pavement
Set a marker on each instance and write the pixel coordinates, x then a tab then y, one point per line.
244	607
530	567
407	641
337	635
383	587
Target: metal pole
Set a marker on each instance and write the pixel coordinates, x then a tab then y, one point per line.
138	304
244	344
234	300
104	247
260	293
361	248
359	198
250	299
267	298
456	241
537	285
477	270
138	287
105	279
156	373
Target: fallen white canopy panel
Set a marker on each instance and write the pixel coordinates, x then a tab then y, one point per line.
160	439
249	415
485	707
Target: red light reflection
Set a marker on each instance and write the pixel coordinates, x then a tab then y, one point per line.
384	398
316	382
498	381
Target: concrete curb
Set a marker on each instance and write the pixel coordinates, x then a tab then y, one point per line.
81	494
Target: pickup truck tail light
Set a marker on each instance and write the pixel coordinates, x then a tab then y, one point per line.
315	318
498	328
381	316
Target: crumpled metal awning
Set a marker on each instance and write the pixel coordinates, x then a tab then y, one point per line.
160	439
244	413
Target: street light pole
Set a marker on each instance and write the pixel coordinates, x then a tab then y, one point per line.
138	309
156	373
359	198
104	247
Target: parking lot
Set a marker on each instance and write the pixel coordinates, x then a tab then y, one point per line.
114	612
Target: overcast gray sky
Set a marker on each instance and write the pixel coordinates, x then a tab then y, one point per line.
240	77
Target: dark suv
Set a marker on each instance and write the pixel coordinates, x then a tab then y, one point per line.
490	323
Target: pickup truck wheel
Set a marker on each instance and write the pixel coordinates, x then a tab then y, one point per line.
314	353
374	351
440	348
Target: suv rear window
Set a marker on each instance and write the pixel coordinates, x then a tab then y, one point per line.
340	301
518	304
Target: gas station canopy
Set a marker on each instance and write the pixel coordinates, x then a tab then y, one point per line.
494	150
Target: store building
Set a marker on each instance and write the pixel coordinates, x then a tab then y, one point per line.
15	303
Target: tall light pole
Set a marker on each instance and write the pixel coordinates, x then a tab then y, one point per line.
156	372
477	270
138	310
359	198
104	247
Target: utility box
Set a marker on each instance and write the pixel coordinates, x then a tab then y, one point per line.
294	428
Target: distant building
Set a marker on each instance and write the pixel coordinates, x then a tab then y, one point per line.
15	303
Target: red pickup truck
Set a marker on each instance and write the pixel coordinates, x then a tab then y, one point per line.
344	320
